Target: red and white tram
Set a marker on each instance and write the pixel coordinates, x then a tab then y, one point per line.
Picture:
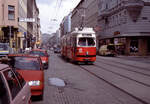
79	45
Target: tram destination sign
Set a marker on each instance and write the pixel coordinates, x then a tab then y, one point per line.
86	34
26	19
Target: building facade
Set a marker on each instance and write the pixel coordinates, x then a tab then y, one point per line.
32	27
77	17
36	24
22	41
125	23
85	14
8	21
29	24
65	25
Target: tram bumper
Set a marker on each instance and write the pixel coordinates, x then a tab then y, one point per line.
80	58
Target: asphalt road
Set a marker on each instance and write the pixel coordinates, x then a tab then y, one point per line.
110	80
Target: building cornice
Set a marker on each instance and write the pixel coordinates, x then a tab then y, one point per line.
123	5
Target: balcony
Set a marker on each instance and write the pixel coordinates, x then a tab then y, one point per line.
134	8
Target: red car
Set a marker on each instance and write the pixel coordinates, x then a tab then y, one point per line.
30	67
43	54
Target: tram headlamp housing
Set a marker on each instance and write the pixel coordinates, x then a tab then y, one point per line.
80	50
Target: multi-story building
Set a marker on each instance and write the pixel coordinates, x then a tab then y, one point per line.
8	21
66	25
85	14
32	27
77	15
36	24
58	37
22	41
29	24
126	23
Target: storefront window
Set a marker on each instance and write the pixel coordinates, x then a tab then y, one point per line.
134	45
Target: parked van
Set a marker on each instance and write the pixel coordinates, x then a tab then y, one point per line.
107	50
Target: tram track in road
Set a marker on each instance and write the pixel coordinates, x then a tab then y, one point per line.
125	68
129	65
103	68
121	88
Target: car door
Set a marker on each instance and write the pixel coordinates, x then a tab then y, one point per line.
26	91
4	93
19	94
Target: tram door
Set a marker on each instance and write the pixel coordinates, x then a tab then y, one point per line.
74	47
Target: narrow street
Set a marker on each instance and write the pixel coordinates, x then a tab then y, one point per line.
111	80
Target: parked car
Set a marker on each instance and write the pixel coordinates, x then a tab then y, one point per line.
30	67
13	88
57	50
43	55
107	50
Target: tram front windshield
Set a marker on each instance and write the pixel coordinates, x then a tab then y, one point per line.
86	42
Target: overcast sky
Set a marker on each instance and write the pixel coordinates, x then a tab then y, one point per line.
54	9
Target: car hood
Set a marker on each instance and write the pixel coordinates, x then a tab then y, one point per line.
30	75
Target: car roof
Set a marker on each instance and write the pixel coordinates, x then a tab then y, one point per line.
2	66
42	50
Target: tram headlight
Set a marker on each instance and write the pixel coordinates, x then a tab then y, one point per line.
80	50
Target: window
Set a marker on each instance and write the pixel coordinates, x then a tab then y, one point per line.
134	46
21	80
11	12
13	83
86	42
4	97
144	18
26	63
40	53
4	47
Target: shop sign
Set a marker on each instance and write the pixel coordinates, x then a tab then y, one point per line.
26	19
116	32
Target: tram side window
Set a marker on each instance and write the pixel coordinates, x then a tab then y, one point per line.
4	97
90	42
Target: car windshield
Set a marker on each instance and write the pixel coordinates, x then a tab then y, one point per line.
111	47
86	42
26	63
3	46
37	53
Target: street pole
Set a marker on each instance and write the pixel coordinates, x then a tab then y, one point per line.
10	36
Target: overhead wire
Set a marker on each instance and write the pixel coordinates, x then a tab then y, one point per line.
59	5
53	16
